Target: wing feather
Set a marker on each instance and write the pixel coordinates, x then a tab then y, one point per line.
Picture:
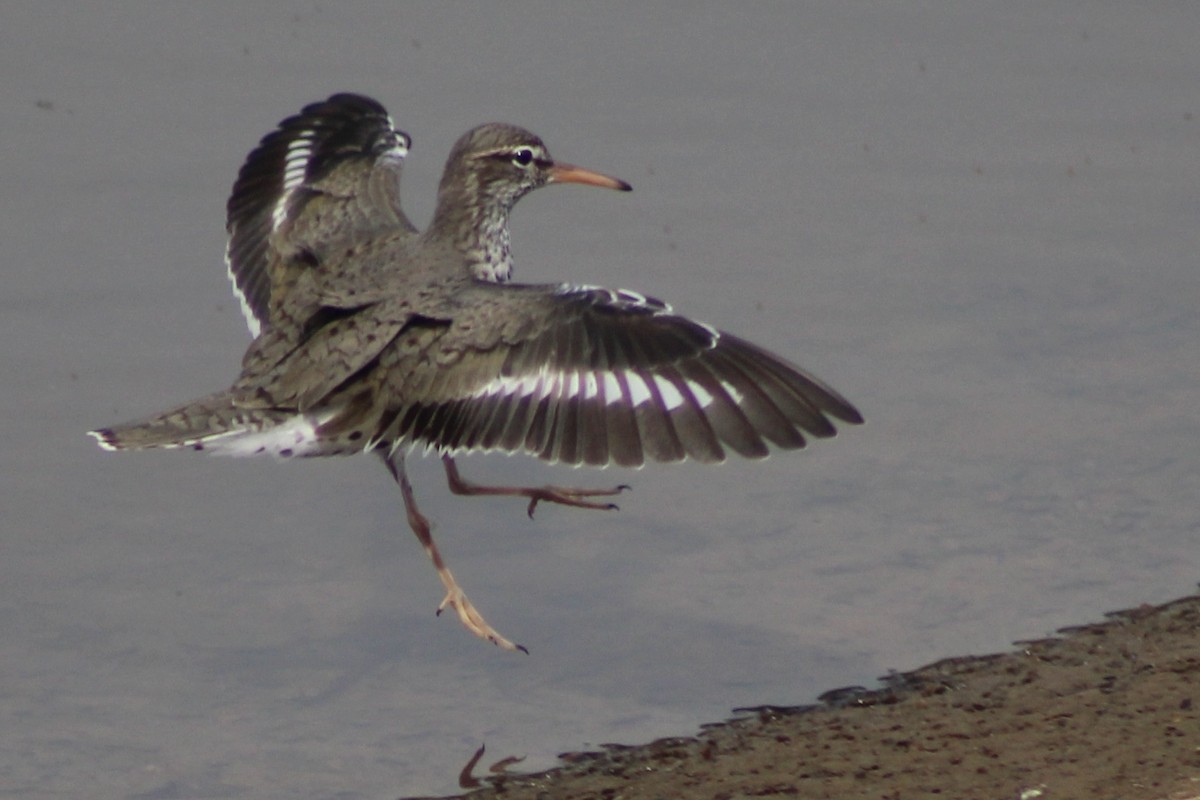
326	174
591	376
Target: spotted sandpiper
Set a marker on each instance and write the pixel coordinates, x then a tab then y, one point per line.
328	178
377	338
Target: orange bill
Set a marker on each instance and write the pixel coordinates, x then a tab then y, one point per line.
569	173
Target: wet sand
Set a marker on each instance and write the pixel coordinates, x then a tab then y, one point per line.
1105	710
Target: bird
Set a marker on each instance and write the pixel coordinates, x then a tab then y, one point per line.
373	336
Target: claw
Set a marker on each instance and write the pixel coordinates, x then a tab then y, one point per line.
456	598
570	497
562	495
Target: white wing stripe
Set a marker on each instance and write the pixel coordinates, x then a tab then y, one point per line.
605	385
252	322
702	395
639	392
732	391
671	396
295	165
612	388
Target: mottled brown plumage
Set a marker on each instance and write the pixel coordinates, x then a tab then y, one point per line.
375	337
324	177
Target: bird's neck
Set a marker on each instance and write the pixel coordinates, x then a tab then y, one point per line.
477	228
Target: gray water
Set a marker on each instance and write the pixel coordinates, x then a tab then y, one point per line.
978	221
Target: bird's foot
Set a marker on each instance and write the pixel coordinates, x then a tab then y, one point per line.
568	496
562	495
456	598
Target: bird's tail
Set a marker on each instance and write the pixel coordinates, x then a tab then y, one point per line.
214	424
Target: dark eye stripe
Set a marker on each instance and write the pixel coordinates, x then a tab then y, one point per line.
522	156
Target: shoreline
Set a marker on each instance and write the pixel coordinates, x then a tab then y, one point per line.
1102	710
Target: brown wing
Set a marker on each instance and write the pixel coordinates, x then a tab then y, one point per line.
587	375
297	370
328	173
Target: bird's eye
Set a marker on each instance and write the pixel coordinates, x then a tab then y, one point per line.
522	157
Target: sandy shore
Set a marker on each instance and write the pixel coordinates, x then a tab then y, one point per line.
1107	710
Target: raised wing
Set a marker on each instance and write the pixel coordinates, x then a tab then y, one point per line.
587	375
330	173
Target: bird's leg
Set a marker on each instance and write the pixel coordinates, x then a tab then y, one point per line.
455	596
563	495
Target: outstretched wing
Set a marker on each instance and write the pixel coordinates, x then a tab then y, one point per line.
588	375
328	173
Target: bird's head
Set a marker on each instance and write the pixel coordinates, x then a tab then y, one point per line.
500	163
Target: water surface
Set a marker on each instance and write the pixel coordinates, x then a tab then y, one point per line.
978	225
